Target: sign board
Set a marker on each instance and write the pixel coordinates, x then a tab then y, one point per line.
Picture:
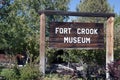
76	35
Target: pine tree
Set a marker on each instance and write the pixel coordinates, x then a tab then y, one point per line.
94	6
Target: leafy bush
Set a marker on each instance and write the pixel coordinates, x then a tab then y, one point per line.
9	74
29	73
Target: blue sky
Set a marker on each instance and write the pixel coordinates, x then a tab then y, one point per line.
114	3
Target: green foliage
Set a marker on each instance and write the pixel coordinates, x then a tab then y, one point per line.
117	54
9	74
4	10
94	6
19	23
117	30
58	77
29	73
14	29
51	55
71	56
87	56
117	37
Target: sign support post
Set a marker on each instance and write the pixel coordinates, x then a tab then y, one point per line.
109	44
42	43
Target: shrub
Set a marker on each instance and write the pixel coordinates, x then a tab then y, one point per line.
9	74
29	73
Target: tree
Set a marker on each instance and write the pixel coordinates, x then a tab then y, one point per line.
19	23
117	37
4	10
93	6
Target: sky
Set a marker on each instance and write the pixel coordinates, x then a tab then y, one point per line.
114	3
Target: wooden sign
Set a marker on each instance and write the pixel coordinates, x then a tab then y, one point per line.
76	35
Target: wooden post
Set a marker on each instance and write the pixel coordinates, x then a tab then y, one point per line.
109	44
42	44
